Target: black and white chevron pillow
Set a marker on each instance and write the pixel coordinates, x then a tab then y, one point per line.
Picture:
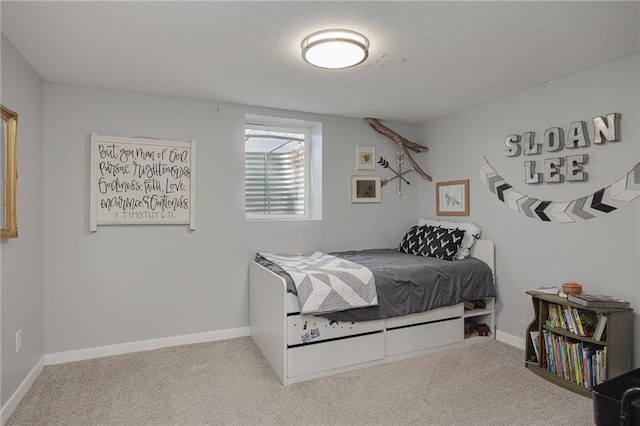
414	239
442	243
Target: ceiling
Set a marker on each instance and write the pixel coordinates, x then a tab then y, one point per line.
427	59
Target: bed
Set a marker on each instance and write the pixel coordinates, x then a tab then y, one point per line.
302	347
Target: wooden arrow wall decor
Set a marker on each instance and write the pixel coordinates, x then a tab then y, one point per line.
399	174
403	143
603	201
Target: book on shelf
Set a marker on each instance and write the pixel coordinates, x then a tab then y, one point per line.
587	356
574	360
598	301
547	290
577	321
555	319
570	319
587	321
581	322
598	333
535	339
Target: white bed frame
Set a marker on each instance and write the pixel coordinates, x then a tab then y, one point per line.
279	330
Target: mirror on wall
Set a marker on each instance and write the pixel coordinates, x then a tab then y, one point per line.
9	173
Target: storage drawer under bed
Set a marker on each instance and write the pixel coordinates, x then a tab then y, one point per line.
303	329
426	336
309	359
437	314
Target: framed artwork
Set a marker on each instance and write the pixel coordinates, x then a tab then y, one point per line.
366	157
452	198
9	173
365	189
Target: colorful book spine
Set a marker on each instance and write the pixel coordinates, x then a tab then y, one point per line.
535	341
571	322
574	360
576	317
578	321
600	328
589	367
548	347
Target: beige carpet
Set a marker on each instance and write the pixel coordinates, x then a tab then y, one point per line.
230	383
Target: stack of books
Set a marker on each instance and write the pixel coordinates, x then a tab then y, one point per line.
581	322
598	301
574	360
547	290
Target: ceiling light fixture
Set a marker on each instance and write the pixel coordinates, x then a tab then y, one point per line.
335	49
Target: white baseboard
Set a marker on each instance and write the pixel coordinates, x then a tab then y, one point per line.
17	396
144	345
510	339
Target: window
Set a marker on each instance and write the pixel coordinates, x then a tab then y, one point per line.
277	177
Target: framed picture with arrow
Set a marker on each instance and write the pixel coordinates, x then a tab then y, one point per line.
452	198
365	189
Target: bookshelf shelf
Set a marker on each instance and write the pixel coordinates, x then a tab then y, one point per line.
566	355
571	335
554	378
477	312
482	315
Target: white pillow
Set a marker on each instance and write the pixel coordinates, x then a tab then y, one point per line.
471	234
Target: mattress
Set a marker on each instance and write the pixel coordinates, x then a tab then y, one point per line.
408	284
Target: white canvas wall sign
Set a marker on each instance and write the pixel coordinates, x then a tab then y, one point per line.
142	181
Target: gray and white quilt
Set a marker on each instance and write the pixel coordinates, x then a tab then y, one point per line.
326	283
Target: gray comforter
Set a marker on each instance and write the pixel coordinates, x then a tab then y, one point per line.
408	284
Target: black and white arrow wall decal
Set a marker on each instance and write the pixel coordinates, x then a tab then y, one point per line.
601	202
398	174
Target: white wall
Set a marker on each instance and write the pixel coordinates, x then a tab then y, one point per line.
21	293
601	253
131	283
636	324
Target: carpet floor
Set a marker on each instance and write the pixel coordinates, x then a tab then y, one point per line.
230	383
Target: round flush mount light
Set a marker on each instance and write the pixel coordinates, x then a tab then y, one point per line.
335	49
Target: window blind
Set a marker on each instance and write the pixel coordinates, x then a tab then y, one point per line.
274	183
